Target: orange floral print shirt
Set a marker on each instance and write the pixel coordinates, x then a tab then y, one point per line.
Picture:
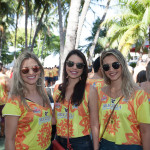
3	92
34	126
123	127
79	118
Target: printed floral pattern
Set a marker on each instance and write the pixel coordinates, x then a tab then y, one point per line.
81	111
29	119
125	119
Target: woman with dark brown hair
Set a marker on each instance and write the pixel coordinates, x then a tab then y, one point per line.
78	100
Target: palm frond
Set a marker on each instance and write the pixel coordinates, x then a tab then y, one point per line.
129	34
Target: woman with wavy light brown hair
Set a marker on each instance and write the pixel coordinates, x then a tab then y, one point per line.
129	124
28	112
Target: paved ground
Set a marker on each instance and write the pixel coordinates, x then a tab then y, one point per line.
2	143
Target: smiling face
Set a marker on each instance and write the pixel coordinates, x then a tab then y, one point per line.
114	73
74	72
30	77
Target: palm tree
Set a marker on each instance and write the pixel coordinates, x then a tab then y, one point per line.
26	22
72	27
6	20
131	26
98	31
46	4
81	21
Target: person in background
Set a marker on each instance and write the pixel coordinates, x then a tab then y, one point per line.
4	89
46	75
90	71
28	114
141	77
51	76
146	85
141	65
55	74
97	79
76	98
129	125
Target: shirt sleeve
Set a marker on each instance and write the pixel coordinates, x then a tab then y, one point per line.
12	108
143	107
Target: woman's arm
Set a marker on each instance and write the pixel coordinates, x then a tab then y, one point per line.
11	123
53	117
145	133
94	118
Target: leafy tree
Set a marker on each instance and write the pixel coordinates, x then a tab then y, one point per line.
99	47
131	26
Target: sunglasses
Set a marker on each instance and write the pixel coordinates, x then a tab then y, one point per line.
115	65
78	65
26	69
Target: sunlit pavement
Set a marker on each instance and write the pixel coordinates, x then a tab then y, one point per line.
2	143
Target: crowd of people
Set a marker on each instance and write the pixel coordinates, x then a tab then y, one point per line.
51	75
106	109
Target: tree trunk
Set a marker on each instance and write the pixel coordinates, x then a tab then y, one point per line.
26	24
30	31
1	44
61	33
43	47
16	35
39	41
97	33
38	27
81	21
141	50
72	27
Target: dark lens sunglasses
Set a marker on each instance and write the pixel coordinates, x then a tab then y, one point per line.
78	65
115	65
26	69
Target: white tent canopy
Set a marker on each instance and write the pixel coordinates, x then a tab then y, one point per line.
51	60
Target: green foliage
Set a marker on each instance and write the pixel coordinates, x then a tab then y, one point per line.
99	47
133	64
131	26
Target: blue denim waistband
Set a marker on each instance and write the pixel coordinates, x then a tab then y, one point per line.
108	145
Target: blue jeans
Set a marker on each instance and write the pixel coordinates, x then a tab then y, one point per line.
49	148
107	145
80	143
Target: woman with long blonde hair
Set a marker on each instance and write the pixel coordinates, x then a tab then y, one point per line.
128	127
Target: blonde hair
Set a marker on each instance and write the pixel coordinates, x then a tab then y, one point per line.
18	87
128	84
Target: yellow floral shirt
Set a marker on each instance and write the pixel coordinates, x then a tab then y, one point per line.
34	126
79	119
123	128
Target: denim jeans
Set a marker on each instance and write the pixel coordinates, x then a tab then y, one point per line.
80	143
49	148
107	145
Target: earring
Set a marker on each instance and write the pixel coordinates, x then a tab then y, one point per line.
38	83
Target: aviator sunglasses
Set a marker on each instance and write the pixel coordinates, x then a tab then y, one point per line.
115	65
26	69
78	65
